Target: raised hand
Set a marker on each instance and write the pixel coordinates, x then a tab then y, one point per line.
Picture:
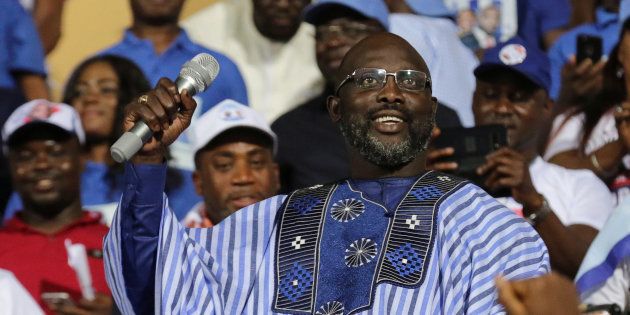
167	113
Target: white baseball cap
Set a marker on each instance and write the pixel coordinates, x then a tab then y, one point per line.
226	115
43	112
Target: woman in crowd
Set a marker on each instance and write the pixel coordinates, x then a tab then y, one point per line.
591	136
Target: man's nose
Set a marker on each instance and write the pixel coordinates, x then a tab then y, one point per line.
503	105
42	161
243	174
390	92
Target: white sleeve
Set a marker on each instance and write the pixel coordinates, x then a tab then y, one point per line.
595	202
14	299
614	290
565	135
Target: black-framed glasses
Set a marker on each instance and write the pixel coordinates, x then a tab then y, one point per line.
374	78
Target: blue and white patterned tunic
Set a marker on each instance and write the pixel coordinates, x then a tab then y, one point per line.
331	250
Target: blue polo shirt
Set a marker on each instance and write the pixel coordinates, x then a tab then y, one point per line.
229	83
606	26
537	17
20	48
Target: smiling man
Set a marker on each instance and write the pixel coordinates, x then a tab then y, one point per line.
43	142
392	239
234	148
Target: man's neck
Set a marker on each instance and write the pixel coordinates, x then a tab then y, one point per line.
52	225
363	169
161	36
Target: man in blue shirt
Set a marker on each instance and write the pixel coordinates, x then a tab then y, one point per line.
392	239
606	26
157	44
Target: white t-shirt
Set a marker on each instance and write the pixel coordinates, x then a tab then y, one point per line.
279	76
575	196
566	135
450	62
14	299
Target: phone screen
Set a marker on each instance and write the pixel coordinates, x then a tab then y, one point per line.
588	47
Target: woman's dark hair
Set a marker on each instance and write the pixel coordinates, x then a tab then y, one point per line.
613	91
132	83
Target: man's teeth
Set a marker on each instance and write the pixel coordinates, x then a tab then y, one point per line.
388	119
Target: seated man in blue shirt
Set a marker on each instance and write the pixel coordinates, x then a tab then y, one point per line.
393	238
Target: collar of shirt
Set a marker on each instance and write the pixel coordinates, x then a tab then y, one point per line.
182	42
16	224
604	18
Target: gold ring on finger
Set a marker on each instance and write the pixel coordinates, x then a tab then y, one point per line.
144	99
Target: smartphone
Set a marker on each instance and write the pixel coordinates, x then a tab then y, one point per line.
471	145
58	298
588	46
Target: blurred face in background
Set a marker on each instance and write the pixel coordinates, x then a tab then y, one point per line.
157	12
46	171
624	52
97	99
506	98
235	171
334	39
278	20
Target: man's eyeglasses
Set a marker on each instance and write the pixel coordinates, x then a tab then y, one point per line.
374	78
347	30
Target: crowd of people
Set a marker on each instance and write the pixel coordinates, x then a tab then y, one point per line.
351	156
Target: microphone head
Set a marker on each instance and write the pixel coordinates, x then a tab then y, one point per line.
199	72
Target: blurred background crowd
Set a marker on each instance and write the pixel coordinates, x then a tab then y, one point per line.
551	74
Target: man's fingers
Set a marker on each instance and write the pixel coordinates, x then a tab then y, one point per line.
188	105
170	87
508	298
440	153
159	107
147	115
170	106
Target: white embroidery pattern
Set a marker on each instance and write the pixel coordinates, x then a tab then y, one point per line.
347	209
360	252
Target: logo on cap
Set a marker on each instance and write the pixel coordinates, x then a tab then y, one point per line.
41	111
513	54
231	113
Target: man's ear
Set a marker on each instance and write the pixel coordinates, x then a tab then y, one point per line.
333	103
434	100
196	177
276	176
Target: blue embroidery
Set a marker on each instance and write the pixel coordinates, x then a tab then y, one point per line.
305	204
331	308
347	209
360	252
296	282
426	192
405	260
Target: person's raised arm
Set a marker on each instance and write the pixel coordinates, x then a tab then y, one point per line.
131	245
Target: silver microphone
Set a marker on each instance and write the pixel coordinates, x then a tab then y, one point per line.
196	75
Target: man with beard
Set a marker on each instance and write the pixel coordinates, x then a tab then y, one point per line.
43	148
339	25
393	238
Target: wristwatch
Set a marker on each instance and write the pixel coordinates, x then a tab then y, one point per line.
539	214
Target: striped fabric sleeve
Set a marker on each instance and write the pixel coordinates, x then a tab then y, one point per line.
213	271
479	240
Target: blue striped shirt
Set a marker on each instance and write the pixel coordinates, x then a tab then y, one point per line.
230	268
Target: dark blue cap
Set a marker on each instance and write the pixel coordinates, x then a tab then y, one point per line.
517	55
373	9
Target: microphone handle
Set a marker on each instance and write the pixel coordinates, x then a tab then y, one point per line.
132	141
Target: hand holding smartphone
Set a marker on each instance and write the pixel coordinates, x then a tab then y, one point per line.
588	47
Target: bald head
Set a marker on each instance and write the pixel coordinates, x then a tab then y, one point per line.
381	48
